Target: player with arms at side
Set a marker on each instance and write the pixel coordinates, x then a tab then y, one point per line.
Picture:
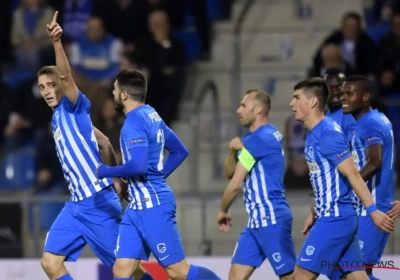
373	154
149	223
94	211
260	169
333	218
334	79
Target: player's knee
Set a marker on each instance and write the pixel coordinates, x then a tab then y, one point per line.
240	272
124	268
52	263
178	271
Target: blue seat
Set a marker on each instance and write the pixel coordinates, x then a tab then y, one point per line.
214	9
48	212
377	32
191	41
13	78
18	171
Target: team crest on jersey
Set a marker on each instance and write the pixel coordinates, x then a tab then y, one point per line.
276	257
161	247
361	243
57	135
310	250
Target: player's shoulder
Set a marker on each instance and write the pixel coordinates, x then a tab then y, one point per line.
268	132
375	120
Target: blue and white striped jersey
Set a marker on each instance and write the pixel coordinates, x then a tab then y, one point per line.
374	128
346	122
263	189
326	147
77	147
144	127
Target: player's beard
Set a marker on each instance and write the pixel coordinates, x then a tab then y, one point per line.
118	106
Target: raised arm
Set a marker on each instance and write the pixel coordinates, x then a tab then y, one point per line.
55	31
230	162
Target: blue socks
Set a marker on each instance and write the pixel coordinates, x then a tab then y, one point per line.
201	273
147	276
371	277
66	277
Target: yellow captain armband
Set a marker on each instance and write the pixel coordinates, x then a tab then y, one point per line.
246	159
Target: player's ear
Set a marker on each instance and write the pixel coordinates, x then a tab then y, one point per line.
367	97
313	102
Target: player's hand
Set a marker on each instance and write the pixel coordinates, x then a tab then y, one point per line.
308	224
382	221
54	30
236	144
121	187
394	213
224	221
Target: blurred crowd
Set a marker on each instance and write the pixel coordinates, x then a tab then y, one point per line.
368	45
158	37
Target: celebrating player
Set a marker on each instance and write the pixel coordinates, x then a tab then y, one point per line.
259	167
94	211
373	154
149	223
333	219
334	79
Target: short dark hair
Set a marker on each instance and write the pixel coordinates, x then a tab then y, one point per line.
315	86
134	83
262	97
47	70
352	15
363	81
334	72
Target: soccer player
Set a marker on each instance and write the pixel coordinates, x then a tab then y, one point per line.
373	154
149	222
94	211
333	236
334	79
260	168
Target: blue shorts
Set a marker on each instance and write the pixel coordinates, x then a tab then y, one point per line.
331	247
94	221
274	243
152	230
372	241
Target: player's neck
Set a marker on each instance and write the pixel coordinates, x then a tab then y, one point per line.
132	106
257	123
333	108
362	112
314	120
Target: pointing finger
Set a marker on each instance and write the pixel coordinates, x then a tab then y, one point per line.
55	17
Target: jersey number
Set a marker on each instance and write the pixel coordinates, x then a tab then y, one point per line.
161	140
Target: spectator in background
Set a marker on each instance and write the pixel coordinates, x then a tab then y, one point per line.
296	175
357	48
96	56
29	114
389	59
110	123
74	15
28	35
131	61
95	60
164	56
48	169
125	19
332	58
176	11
